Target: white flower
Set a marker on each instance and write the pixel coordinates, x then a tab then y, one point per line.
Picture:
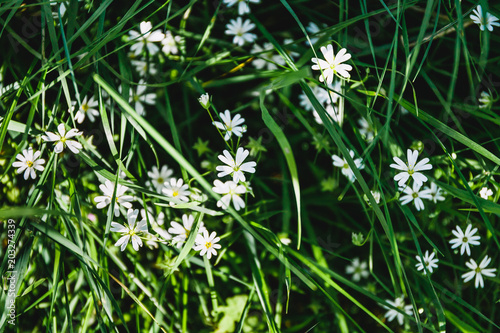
231	126
29	162
312	28
400	305
175	188
330	111
429	262
235	167
170	43
485	193
207	244
484	21
144	67
130	231
320	94
486	100
366	129
140	97
62	139
345	168
411	169
436	193
181	231
159	177
414	194
358	269
243	7
121	199
240	30
478	271
268	58
332	64
376	196
146	38
464	239
231	191
88	108
205	101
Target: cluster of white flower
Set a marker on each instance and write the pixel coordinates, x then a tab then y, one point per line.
236	167
238	28
146	39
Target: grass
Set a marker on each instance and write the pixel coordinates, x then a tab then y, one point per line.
419	69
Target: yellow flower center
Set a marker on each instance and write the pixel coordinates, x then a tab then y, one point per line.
415	195
175	193
478	270
85	107
346	166
63	139
160	180
29	163
464	240
208	245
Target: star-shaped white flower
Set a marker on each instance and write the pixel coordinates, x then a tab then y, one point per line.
345	168
411	169
485	193
358	269
130	231
146	39
366	129
181	232
231	191
478	271
465	240
144	67
29	162
266	57
170	43
436	193
398	303
231	126
88	108
139	97
175	188
235	167
240	31
484	19
332	64
414	194
243	5
429	262
62	139
207	244
204	100
159	177
121	199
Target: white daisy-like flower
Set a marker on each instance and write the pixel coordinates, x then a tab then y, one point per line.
175	188
243	6
205	101
181	232
358	269
485	193
345	168
130	231
332	64
88	108
159	177
484	19
436	193
207	244
62	139
266	57
121	199
399	304
486	100
464	240
240	31
231	126
170	43
144	67
232	192
414	194
429	262
235	167
411	169
146	39
139	97
29	162
366	129
331	111
478	271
